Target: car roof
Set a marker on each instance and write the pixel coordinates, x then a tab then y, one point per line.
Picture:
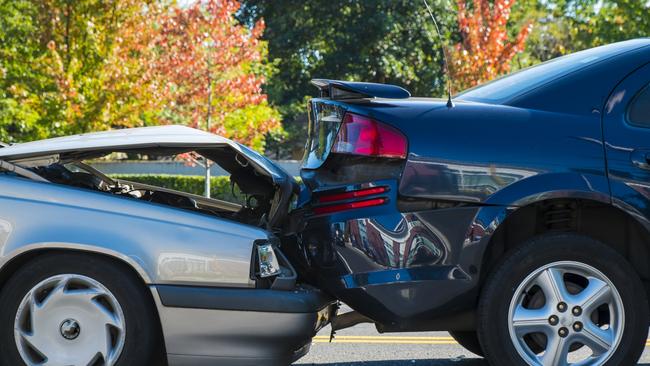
122	139
516	84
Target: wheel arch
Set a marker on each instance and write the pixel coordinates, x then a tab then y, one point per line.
595	218
25	253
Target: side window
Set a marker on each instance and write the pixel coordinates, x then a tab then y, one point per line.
639	110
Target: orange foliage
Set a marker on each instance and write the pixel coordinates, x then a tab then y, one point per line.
176	53
485	51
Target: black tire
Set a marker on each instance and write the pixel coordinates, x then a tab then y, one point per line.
469	341
142	338
503	282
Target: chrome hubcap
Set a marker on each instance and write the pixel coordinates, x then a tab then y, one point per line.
69	320
566	313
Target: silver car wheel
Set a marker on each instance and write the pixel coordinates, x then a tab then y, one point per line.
579	321
69	319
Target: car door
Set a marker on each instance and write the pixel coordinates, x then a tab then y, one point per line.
626	127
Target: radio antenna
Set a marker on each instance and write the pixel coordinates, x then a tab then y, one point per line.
450	103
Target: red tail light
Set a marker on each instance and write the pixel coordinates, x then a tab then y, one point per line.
343	196
352	194
349	206
361	135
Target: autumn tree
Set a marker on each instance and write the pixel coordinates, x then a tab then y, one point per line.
71	66
384	41
202	65
485	50
52	61
133	99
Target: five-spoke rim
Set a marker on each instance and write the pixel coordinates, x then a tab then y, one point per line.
69	319
566	313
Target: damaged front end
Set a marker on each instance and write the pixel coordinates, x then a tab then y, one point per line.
223	287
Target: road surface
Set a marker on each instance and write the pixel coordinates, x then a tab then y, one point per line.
363	346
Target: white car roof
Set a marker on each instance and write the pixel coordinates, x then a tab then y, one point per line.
158	136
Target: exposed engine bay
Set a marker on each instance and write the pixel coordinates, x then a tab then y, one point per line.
262	203
80	175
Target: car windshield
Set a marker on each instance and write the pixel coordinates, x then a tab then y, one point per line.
512	85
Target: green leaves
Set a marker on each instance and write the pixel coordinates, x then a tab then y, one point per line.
565	26
72	66
386	41
20	107
53	55
69	66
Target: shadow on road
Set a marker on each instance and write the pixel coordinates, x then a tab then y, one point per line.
440	362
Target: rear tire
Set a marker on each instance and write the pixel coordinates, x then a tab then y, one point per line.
95	301
563	292
469	341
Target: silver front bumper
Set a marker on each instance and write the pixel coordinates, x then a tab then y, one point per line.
227	336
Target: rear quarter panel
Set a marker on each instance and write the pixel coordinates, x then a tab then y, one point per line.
473	152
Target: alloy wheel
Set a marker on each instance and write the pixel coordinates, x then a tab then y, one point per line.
566	313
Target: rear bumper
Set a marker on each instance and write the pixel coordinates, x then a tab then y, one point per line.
405	280
236	327
407	268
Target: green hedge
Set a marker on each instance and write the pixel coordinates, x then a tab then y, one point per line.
219	188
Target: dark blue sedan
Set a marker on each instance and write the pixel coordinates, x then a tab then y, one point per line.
517	218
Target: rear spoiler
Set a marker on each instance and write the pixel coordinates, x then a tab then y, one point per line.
337	89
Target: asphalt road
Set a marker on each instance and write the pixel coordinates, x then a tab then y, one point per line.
363	346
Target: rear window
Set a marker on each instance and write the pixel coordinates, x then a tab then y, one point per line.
324	123
639	112
510	86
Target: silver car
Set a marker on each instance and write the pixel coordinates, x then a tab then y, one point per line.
99	271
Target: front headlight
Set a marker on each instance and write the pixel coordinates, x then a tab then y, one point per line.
268	265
